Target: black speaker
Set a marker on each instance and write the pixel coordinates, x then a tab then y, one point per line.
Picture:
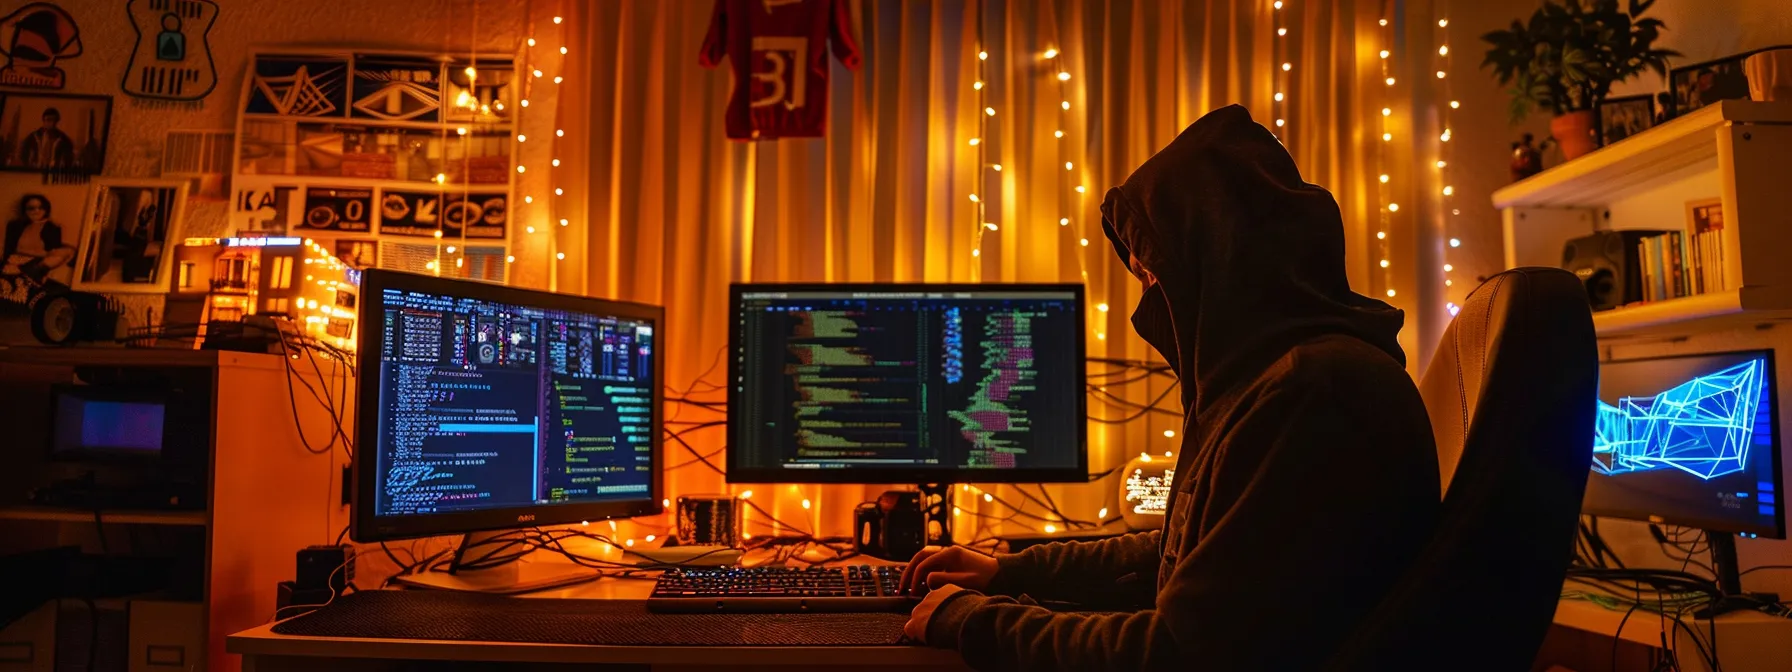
1608	265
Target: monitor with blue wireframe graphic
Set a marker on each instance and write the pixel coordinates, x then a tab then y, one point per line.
1690	440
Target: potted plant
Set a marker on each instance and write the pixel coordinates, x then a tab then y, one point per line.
1567	57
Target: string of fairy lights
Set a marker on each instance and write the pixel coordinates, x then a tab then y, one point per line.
981	88
1446	155
1386	207
1282	66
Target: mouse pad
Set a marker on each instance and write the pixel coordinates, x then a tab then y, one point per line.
395	614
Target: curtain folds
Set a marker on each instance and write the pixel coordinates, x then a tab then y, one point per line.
669	212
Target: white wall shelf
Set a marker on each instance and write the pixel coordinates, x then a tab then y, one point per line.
1736	151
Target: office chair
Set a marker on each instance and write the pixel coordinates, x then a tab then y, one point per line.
1511	394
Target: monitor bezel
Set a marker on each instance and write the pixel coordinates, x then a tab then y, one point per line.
1778	530
738	473
367	526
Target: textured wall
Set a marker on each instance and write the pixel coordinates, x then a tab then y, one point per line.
137	127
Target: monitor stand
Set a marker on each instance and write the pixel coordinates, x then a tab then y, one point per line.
1729	580
510	578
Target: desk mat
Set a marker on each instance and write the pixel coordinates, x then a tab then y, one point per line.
394	614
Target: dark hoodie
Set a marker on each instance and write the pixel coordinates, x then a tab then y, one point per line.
1307	478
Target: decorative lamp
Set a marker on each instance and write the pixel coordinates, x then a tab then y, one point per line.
1145	490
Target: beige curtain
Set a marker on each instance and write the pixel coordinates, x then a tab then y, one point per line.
669	212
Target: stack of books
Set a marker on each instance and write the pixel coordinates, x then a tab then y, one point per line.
1677	264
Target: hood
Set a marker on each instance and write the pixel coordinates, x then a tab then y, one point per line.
1248	258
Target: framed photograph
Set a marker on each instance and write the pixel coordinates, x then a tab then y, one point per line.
54	134
1620	118
1702	84
43	230
132	228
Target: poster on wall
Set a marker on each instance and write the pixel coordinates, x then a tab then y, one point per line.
54	134
33	39
396	88
299	86
337	209
479	91
475	216
410	213
43	228
128	242
264	209
172	59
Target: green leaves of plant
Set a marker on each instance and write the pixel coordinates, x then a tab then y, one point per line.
1570	52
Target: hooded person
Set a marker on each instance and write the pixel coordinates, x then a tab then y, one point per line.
1307	480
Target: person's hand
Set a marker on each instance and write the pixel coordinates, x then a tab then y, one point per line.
916	627
935	567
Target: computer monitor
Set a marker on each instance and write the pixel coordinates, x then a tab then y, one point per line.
1694	441
907	383
1691	440
483	407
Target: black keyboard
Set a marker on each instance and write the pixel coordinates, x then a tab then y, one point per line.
851	588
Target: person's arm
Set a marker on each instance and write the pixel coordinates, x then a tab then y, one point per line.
1318	500
1085	572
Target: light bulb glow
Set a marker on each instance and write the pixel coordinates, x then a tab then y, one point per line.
1381	235
1057	134
1449	267
1051	53
988	497
1280	123
1390	81
1063	76
560	255
1441	164
997	167
1084	242
1387	111
1384	53
1390	293
531	41
1102	514
976	141
989	111
1384	263
1393	207
557	20
1287	66
1384	179
1278	4
806	504
1102	307
1443	22
976	253
1068	166
563	51
982	55
1169	433
1279	96
1386	137
1063	221
746	494
1080	189
1050	528
1443	50
1455	242
1455	104
1281	31
974	198
1065	105
510	259
978	86
1440	74
1384	22
563	221
990	225
1448	190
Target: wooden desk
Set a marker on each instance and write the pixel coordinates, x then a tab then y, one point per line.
264	651
1747	641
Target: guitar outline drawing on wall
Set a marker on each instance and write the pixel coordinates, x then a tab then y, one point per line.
172	59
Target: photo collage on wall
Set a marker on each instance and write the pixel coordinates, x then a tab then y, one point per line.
381	153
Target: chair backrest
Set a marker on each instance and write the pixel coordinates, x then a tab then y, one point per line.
1511	394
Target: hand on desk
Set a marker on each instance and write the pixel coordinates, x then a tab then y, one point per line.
916	627
935	567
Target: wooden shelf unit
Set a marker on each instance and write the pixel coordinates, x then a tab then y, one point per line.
1736	151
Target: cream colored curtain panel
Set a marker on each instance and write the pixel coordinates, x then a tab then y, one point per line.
667	211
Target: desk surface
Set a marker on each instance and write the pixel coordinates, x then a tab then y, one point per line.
263	642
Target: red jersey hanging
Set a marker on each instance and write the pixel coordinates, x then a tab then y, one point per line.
780	65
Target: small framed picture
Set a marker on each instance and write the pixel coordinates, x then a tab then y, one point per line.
1702	84
1620	118
43	228
1704	216
54	134
128	244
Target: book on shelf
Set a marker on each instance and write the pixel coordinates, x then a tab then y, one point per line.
1678	264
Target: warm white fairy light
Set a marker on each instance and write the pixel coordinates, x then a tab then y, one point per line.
989	111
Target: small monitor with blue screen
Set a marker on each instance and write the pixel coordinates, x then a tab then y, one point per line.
1690	441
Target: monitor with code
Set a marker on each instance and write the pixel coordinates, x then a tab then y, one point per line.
486	407
1691	441
907	384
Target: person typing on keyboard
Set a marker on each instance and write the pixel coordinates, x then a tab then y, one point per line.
1307	480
